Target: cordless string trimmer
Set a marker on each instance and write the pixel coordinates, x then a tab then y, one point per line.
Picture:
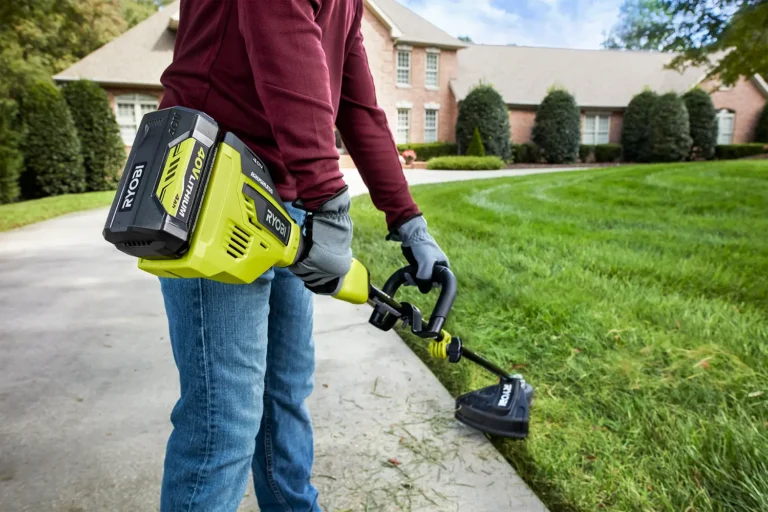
194	202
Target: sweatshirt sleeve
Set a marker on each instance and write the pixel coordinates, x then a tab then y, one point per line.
286	55
364	129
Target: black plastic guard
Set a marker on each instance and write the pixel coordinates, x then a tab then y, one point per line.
501	410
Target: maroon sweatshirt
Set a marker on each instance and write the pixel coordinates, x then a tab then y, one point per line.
280	74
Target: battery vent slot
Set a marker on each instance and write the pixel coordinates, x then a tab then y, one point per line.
143	243
238	243
250	209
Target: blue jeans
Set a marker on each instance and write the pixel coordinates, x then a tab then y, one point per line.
246	360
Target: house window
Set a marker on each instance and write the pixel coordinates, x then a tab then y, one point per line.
403	67
597	129
725	121
433	69
430	125
403	125
130	109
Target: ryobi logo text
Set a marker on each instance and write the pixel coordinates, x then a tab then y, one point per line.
273	220
177	191
506	393
129	193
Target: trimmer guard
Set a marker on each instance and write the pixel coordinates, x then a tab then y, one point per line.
501	410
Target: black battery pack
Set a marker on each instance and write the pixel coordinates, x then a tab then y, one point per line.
158	199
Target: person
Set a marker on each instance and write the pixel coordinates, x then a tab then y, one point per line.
279	74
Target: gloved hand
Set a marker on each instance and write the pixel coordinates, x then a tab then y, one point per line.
421	251
327	257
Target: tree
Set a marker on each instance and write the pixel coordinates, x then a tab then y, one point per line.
476	146
53	164
761	130
10	156
636	130
136	11
466	39
703	123
557	128
726	37
101	145
670	129
484	109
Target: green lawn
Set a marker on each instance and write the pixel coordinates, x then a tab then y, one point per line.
27	212
635	300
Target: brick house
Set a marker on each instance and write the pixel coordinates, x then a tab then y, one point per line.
421	73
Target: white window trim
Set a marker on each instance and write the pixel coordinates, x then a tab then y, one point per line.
398	128
404	104
432	106
437	122
138	100
433	50
409	50
722	113
430	87
596	114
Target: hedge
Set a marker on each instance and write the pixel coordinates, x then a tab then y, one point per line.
557	129
52	159
466	163
10	157
476	147
607	153
736	151
586	151
484	109
428	150
527	153
670	129
636	130
101	145
702	122
761	129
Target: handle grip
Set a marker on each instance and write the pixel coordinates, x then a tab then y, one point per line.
441	275
354	288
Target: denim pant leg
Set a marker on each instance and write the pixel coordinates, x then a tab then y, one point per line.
219	338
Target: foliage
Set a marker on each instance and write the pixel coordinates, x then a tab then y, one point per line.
10	157
136	11
727	37
636	131
100	142
736	151
585	152
557	129
52	159
607	153
527	153
670	129
465	163
476	147
761	129
28	212
466	39
484	109
633	300
703	123
427	150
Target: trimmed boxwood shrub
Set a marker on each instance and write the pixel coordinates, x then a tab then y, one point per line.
670	129
466	163
557	129
10	156
735	151
427	150
607	153
636	130
476	146
702	120
527	153
52	159
484	109
761	130
100	142
586	151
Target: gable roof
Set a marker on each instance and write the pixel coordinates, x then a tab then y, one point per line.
408	27
136	58
596	78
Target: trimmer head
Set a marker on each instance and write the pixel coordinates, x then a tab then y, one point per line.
500	410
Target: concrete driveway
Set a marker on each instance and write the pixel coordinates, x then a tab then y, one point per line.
87	382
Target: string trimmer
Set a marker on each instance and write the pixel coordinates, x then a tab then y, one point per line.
194	202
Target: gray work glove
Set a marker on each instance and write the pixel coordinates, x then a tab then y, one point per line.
421	251
327	256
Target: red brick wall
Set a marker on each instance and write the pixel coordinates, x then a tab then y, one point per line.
521	124
617	122
746	101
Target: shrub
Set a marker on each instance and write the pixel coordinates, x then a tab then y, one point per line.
735	151
10	156
466	163
428	150
586	151
484	109
100	142
476	147
761	130
607	153
557	129
53	164
527	153
636	131
702	120
670	130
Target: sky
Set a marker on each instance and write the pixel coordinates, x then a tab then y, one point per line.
556	23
